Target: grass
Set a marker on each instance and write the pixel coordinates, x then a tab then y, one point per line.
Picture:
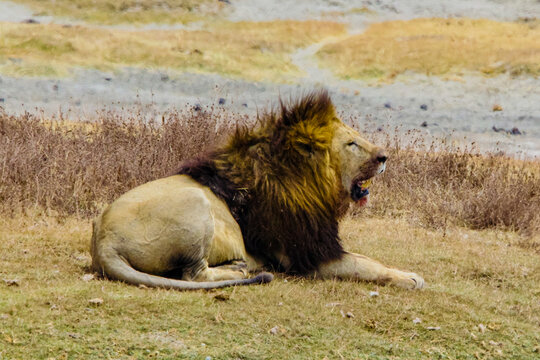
110	12
248	50
437	47
474	277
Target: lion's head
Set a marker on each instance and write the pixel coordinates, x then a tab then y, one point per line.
359	161
307	140
288	180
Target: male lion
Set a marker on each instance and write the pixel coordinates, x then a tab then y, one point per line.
272	196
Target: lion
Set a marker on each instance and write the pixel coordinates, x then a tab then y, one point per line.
270	198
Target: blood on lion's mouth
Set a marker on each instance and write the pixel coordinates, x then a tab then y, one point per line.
360	191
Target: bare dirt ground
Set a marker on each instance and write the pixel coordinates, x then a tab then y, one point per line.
451	109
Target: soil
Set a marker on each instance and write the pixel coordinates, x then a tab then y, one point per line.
455	110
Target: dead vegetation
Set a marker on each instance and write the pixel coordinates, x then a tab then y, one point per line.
220	47
437	46
74	169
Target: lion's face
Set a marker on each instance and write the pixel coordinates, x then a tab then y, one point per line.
359	161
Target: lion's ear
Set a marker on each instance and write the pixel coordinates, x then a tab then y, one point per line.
307	138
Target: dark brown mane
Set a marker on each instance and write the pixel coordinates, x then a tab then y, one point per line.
280	183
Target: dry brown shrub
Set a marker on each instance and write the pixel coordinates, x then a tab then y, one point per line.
70	168
75	168
445	184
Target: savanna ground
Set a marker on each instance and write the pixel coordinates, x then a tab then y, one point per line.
482	294
468	221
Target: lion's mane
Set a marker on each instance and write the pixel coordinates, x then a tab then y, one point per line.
282	183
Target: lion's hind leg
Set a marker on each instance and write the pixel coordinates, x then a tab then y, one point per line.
219	273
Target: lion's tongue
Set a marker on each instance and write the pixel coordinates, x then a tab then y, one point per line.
363	201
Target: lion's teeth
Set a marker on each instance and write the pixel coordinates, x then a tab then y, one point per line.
366	183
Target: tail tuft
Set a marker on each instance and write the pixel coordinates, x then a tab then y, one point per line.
263	278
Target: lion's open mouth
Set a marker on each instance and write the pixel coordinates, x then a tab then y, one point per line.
360	190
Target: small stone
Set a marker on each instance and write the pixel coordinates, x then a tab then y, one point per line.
349	314
373	293
277	330
280	304
424	124
434	328
197	107
108	79
164	77
423	107
30	21
244	105
96	301
497	107
12	282
221	101
387	105
515	131
482	328
88	277
333	304
417	321
55	87
2	100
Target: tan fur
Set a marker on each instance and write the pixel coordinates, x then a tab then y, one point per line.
177	228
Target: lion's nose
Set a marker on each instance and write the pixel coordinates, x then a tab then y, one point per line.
381	156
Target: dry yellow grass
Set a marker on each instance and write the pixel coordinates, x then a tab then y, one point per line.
129	11
474	277
437	47
254	51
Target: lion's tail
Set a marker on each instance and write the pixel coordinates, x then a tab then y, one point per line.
117	268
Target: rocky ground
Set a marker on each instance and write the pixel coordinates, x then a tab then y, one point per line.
450	109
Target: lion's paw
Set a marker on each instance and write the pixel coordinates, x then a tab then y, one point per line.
409	281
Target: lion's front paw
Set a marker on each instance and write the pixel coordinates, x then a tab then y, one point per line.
407	280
